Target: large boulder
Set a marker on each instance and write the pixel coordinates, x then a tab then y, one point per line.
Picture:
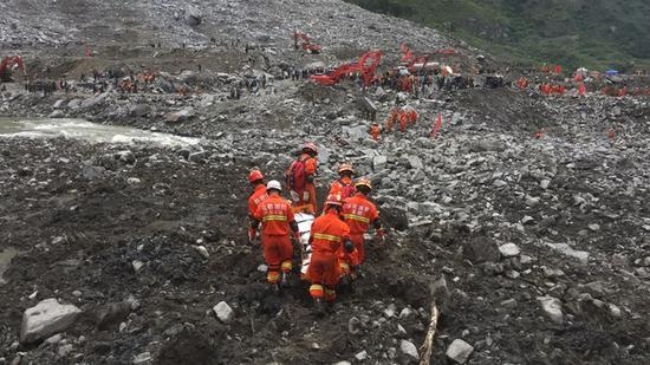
193	16
46	319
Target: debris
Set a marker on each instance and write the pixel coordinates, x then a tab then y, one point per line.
47	318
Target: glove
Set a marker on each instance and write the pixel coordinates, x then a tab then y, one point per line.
251	235
349	246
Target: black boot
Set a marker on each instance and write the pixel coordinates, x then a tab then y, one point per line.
319	306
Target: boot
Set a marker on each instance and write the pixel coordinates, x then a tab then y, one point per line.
319	306
284	281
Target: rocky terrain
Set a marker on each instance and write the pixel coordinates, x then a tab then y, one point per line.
536	249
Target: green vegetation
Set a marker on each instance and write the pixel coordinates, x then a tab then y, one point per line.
573	33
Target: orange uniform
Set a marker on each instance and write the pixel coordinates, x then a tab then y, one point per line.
392	118
403	121
328	234
374	132
307	199
358	213
277	218
257	197
342	188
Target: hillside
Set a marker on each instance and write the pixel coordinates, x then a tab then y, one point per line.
595	33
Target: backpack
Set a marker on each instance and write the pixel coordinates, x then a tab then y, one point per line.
297	176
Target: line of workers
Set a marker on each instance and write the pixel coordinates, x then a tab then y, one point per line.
336	237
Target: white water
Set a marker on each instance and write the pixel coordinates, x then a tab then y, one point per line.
87	131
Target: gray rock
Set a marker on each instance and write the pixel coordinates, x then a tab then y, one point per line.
379	163
415	162
361	355
459	351
224	312
199	157
553	308
544	184
409	349
203	252
139	110
45	319
142	358
193	16
56	114
509	250
64	350
343	363
480	250
180	116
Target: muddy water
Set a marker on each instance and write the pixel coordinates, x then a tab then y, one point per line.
5	260
87	131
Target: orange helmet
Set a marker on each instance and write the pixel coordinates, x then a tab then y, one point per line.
363	182
311	147
333	200
346	167
255	175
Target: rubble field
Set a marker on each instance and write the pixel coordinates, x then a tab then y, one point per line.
536	250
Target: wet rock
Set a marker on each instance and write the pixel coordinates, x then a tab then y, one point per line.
459	351
180	116
224	312
47	318
112	314
553	308
409	349
509	250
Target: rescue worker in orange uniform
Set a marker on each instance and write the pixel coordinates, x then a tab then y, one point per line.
374	131
343	187
277	219
392	118
256	179
403	121
328	234
305	199
359	213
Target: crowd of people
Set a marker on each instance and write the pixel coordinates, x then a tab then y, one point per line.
336	241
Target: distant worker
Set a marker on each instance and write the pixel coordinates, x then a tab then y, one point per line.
256	179
278	221
328	234
301	179
374	131
359	213
343	187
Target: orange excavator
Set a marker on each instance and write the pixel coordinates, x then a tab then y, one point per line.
8	65
416	63
306	44
366	67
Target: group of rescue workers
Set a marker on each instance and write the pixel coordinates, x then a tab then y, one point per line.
336	238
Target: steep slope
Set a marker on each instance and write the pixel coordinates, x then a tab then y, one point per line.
578	32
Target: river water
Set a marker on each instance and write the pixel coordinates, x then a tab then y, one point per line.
83	130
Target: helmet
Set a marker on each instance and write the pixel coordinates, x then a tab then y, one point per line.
255	175
345	167
310	146
274	184
363	182
333	200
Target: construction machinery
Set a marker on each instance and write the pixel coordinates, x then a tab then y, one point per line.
306	44
365	68
423	62
9	65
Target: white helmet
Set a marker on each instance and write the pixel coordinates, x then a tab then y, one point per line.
274	184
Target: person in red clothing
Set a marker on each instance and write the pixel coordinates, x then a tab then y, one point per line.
374	131
256	179
343	187
301	179
328	234
278	221
359	213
